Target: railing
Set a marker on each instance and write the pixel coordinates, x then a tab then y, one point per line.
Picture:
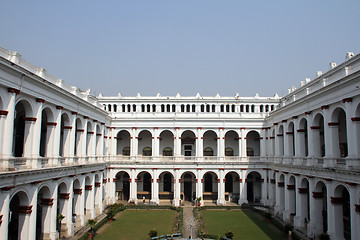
22	163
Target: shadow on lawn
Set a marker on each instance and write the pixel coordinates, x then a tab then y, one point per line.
267	227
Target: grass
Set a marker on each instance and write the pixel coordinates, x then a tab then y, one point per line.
136	224
245	224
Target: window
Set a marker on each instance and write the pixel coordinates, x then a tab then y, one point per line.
249	152
202	108
207	108
167	151
229	151
147	151
208	151
162	108
126	151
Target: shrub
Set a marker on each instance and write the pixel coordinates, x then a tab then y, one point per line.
324	236
288	227
153	233
229	234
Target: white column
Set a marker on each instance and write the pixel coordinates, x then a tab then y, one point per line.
31	231
36	136
177	143
311	232
28	136
156	143
57	132
243	143
262	144
8	130
330	137
298	221
199	186
155	187
243	188
133	186
221	143
177	189
69	210
4	226
221	188
52	210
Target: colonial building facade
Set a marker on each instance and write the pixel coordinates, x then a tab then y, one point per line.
65	151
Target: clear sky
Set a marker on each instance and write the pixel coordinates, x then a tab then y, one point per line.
185	46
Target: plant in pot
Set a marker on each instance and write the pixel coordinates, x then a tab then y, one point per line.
110	215
60	217
91	222
198	201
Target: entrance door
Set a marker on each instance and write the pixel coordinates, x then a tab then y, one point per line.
188	191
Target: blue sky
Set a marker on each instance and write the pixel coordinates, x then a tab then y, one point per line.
186	46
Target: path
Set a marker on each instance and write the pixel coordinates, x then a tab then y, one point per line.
190	224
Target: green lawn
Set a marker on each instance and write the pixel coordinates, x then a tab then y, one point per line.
136	224
244	224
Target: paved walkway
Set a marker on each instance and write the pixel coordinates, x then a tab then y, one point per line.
190	227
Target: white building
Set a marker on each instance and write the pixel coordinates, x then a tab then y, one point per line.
65	151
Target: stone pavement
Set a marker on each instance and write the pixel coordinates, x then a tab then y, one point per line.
190	227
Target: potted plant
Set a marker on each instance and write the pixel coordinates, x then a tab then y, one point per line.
110	215
91	222
198	200
153	233
60	217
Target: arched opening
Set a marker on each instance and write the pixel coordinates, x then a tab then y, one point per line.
18	222
89	188
89	150
342	217
304	203
62	204
144	186
253	187
210	143
188	143
145	143
166	188
231	144
43	215
19	130
123	143
188	186
122	186
320	208
78	137
232	187
253	143
210	187
319	138
76	206
339	121
98	141
291	140
64	134
302	133
166	143
280	137
292	197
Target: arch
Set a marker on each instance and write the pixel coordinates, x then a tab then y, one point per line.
46	130
338	120
304	198
122	186
166	187
98	140
145	143
166	143
342	216
210	142
64	134
232	187
188	186
123	143
89	150
291	138
291	187
43	214
188	146
320	216
18	222
79	131
253	142
144	180
210	186
280	137
253	180
302	133
23	112
231	143
318	133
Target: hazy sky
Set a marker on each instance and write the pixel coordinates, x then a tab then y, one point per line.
185	46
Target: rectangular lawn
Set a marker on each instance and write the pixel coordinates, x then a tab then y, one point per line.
244	224
136	224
